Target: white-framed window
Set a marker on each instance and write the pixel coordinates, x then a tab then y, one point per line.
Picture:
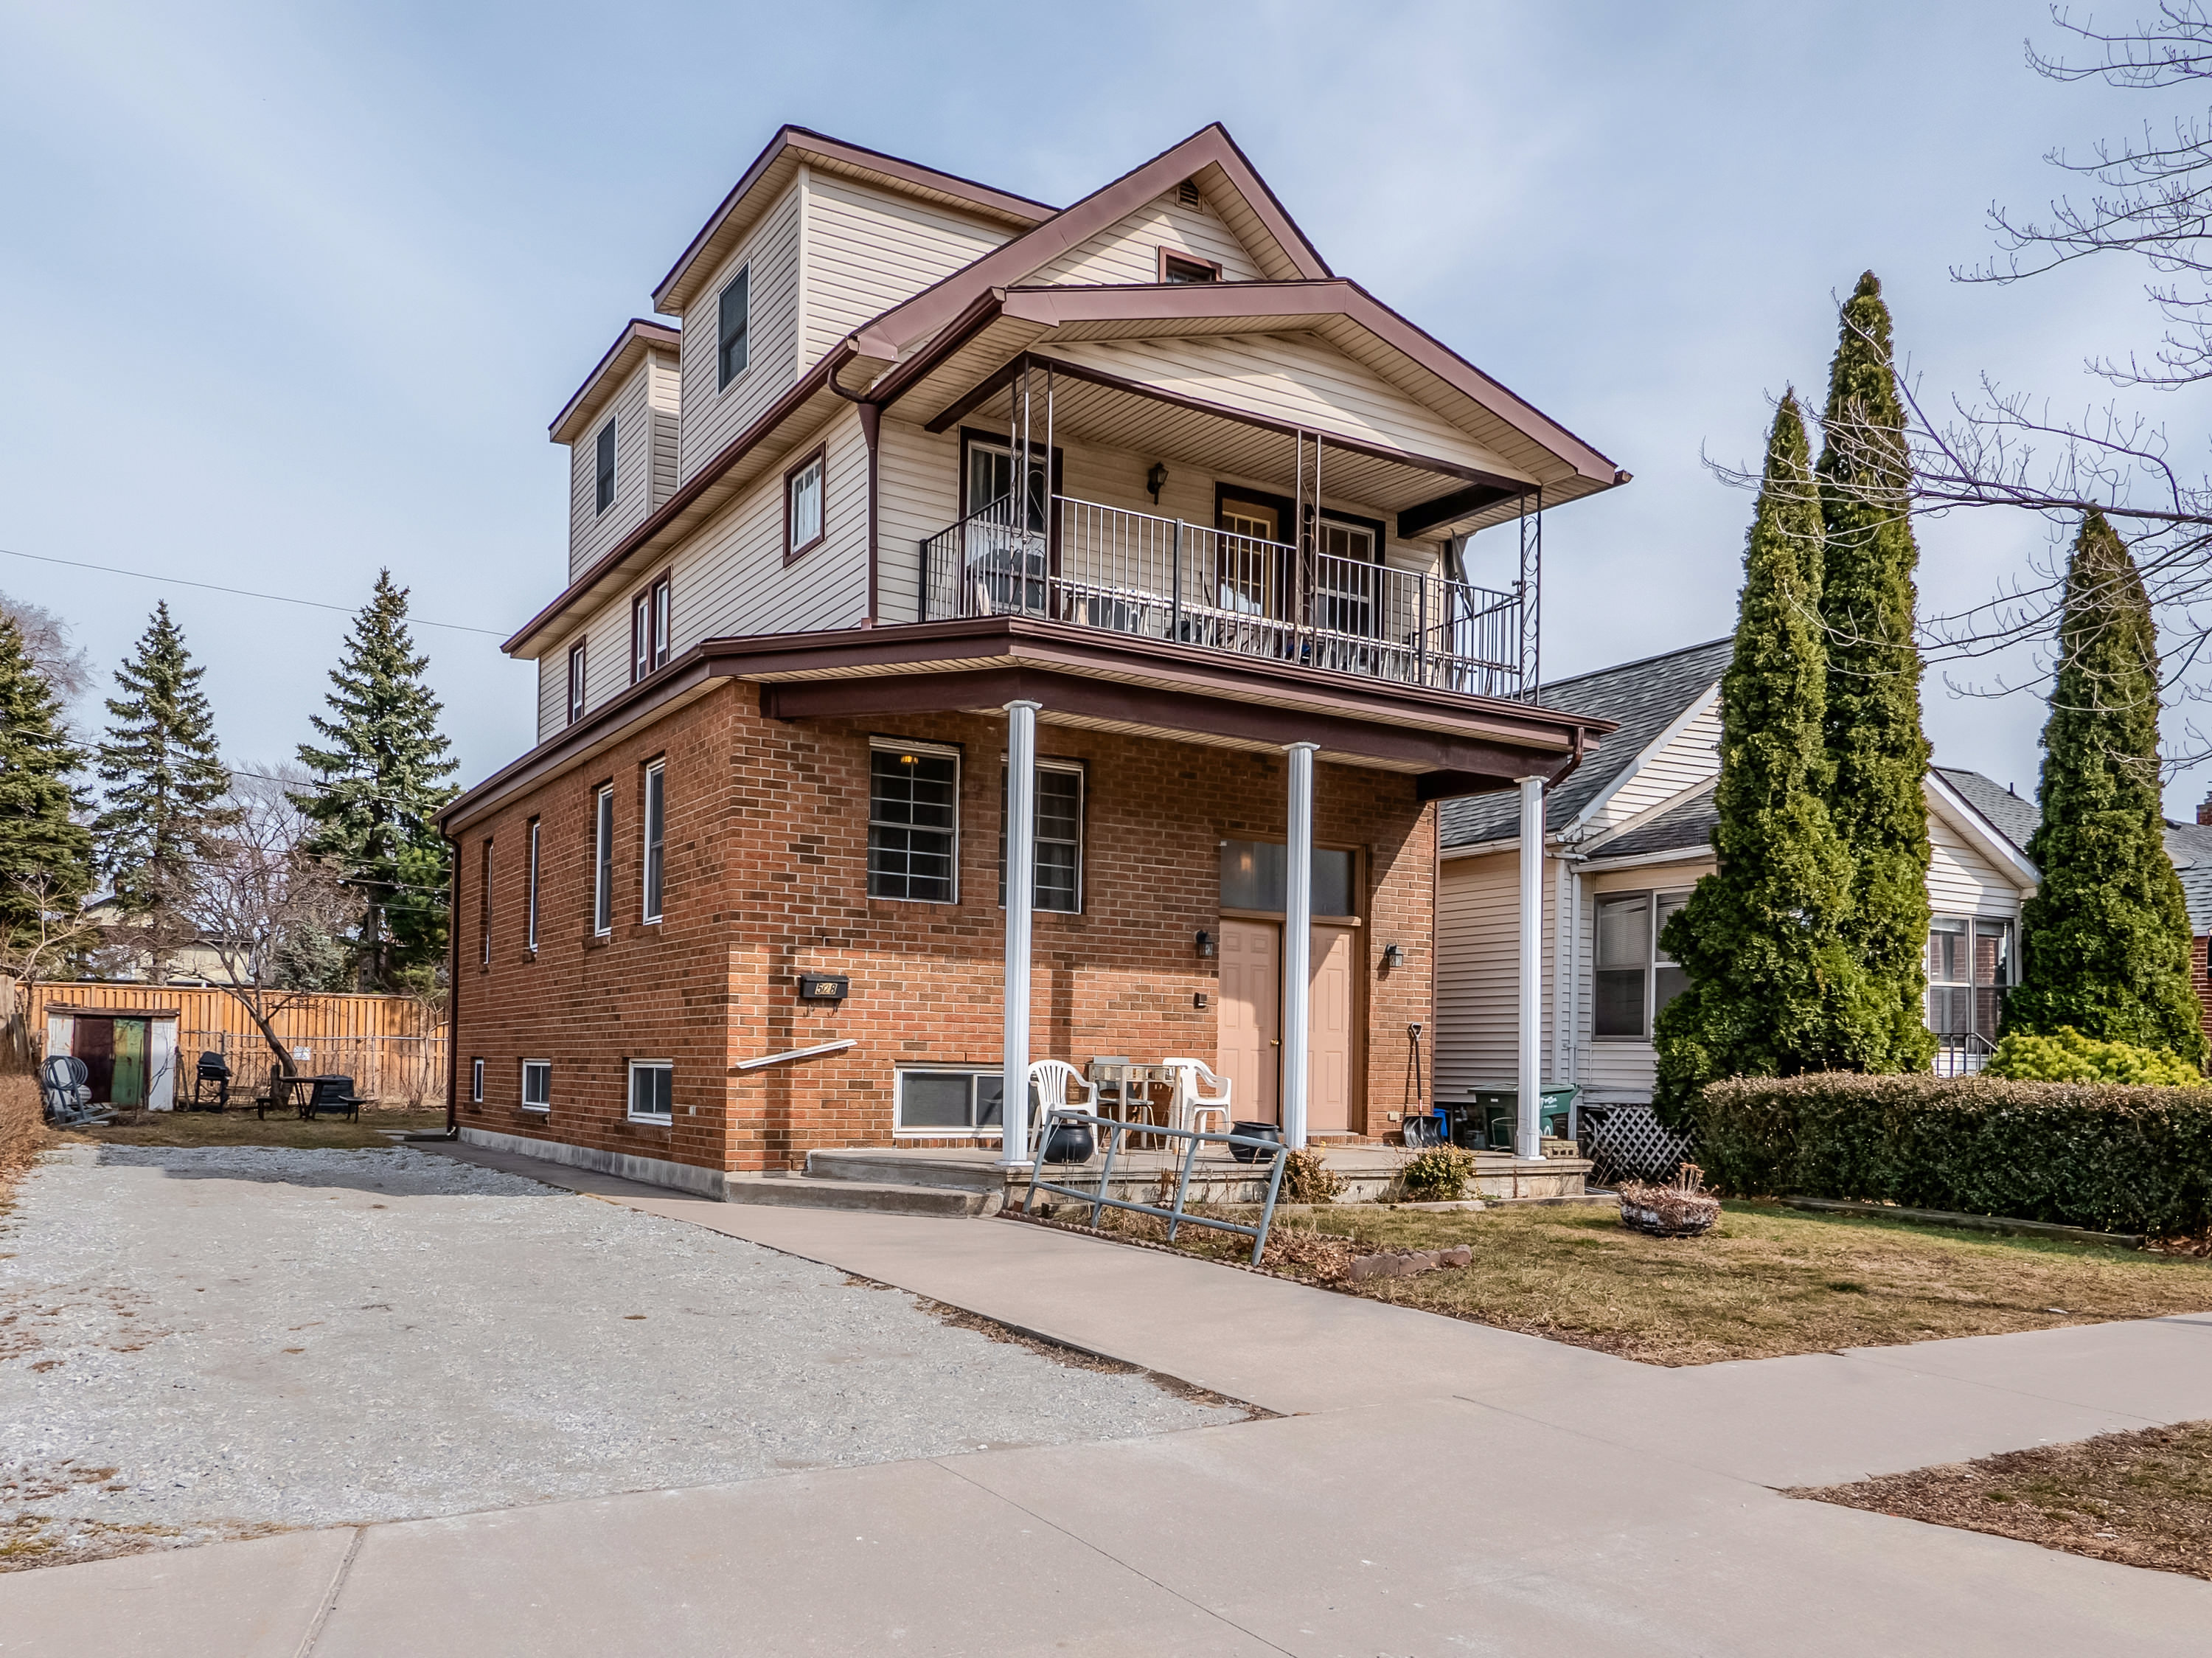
476	1081
949	1101
802	507
537	1085
648	629
656	793
914	822
534	827
483	902
733	321
1633	979
651	1083
576	682
603	860
1969	968
604	460
1059	838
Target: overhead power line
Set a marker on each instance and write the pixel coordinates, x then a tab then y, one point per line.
241	593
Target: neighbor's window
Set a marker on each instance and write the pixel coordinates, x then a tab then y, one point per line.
534	827
1255	876
1059	838
655	800
802	506
650	1082
537	1085
576	682
483	902
603	860
1634	981
949	1102
914	822
476	1081
605	459
648	629
730	331
1969	968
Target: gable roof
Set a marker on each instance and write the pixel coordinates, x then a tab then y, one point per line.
1685	826
638	339
2011	816
1646	699
776	166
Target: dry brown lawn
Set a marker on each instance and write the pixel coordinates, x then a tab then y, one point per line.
2142	1498
237	1127
1766	1282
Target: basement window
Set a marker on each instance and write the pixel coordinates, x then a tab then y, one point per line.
537	1085
651	1090
950	1103
476	1081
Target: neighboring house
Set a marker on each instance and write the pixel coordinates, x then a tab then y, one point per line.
1627	837
121	959
923	477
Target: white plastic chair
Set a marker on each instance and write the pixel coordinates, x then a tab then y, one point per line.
1049	1081
1193	1104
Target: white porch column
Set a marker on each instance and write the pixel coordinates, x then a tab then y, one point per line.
1021	892
1297	942
1528	1131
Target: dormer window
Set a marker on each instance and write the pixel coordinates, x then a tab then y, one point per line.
1181	267
606	465
736	308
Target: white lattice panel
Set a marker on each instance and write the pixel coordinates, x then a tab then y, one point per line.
1628	1141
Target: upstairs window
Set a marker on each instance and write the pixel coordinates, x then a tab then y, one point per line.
729	329
606	465
576	682
914	822
648	629
802	507
1634	979
1182	268
656	794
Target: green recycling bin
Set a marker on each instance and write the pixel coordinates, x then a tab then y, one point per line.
1488	1124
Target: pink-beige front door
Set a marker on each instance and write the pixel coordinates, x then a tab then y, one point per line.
1329	1032
1249	1037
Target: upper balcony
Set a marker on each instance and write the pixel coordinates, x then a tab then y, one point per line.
1092	565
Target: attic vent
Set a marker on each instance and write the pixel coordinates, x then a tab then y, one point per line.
1187	196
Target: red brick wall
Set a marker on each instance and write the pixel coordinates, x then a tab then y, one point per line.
766	878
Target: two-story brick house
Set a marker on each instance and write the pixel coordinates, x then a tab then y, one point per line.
938	522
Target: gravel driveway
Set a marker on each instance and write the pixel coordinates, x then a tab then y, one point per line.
197	1343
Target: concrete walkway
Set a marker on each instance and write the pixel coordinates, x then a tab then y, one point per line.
1432	1487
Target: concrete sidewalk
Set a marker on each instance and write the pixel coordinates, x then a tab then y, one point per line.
1442	1487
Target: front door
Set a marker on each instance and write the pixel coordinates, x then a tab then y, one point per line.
1249	1039
1329	1032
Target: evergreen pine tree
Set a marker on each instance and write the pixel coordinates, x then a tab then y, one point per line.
46	855
1877	754
1772	991
2107	935
164	784
385	777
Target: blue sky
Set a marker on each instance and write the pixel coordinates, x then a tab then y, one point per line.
290	293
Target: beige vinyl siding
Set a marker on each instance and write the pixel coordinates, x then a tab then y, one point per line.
591	532
1296	379
1690	757
1478	973
712	416
1128	250
868	250
552	692
918	475
1961	881
664	393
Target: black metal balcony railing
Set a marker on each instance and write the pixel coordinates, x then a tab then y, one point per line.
1162	578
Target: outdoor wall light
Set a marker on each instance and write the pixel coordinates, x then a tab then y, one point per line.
1393	958
1205	944
1154	478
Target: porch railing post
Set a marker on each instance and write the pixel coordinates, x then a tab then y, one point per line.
1021	878
1421	610
1174	602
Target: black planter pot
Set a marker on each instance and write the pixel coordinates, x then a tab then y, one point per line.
1257	1132
1070	1143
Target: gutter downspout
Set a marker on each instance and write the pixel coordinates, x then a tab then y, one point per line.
872	422
452	993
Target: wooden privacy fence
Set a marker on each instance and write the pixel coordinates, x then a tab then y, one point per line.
392	1047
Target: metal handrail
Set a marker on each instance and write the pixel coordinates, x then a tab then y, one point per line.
1175	1216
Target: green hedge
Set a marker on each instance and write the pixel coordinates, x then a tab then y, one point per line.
2104	1156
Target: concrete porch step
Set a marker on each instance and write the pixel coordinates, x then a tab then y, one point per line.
953	1171
880	1197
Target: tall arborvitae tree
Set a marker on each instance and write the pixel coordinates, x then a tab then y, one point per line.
164	784
46	854
384	778
1877	753
2106	933
1773	990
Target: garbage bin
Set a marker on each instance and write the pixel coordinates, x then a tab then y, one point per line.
1494	1113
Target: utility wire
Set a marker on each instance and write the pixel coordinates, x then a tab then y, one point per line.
242	592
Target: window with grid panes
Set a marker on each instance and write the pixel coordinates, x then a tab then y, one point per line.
914	823
1059	838
1969	968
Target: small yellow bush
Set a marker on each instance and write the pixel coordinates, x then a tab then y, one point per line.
2071	1057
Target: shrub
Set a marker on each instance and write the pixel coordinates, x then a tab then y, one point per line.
2104	1155
1307	1178
2071	1057
1439	1174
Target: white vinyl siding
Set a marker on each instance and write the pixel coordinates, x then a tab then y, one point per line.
1127	250
867	251
1963	882
1690	757
712	414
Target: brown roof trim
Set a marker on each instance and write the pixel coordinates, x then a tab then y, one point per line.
821	375
1005	266
638	330
999	204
